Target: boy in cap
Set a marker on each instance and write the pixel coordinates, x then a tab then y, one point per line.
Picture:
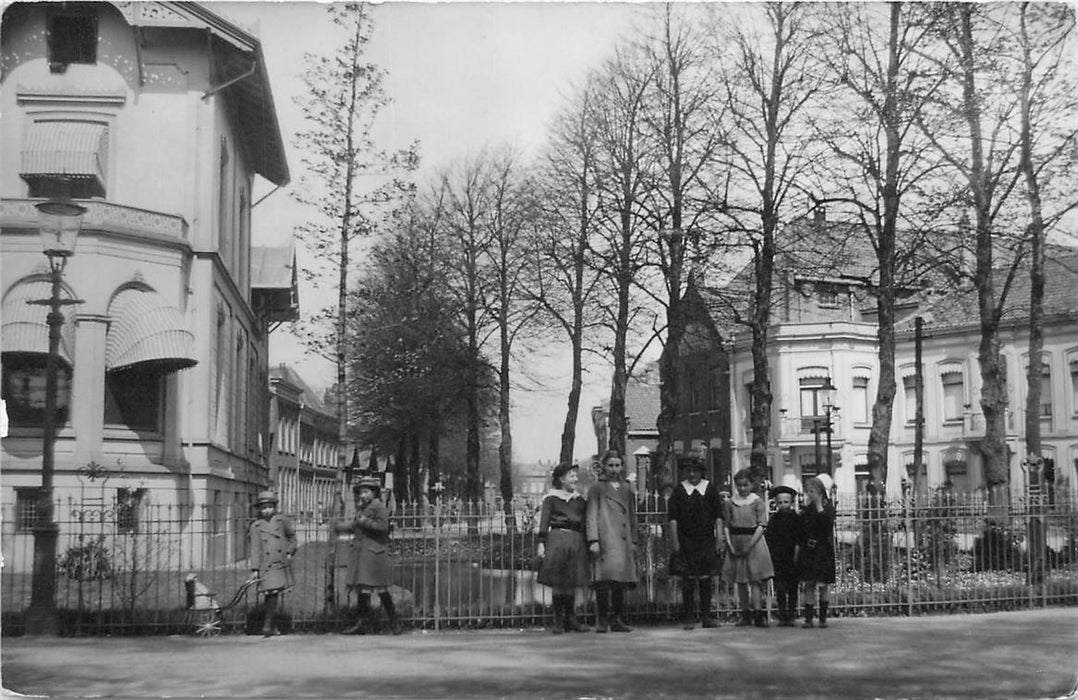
783	534
272	544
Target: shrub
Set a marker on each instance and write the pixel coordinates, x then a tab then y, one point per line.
89	561
996	549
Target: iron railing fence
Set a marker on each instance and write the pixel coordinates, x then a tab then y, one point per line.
123	571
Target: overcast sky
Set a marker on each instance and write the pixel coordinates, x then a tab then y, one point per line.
461	76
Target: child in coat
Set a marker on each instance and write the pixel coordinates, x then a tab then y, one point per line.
272	541
611	533
369	570
816	553
748	563
783	535
695	524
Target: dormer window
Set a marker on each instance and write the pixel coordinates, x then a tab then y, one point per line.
71	38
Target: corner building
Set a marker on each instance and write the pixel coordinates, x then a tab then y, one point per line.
157	117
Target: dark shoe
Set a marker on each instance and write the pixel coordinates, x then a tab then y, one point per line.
395	626
810	612
357	628
823	613
745	620
761	619
572	625
618	626
709	622
786	620
689	626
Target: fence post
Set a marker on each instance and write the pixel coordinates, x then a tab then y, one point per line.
437	564
906	502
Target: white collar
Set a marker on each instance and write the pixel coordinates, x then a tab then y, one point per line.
746	501
699	488
563	494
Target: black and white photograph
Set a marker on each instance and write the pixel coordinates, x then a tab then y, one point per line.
539	349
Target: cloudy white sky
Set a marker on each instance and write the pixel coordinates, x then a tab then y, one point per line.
461	75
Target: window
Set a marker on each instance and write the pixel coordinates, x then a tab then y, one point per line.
861	475
954	395
71	38
128	507
693	391
1074	385
909	398
24	391
827	295
26	508
65	157
715	389
859	401
134	398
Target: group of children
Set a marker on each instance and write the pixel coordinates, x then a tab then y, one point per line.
789	548
591	541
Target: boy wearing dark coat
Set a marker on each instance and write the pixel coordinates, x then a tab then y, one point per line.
783	535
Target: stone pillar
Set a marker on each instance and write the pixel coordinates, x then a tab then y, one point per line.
88	388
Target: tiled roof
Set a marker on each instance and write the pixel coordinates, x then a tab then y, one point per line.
959	307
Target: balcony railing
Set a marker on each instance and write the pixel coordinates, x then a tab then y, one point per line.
804	428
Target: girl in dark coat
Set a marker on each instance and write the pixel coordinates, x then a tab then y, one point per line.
369	568
816	554
695	515
783	537
272	540
611	533
562	550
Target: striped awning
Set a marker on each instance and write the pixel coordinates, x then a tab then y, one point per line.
146	330
74	149
24	327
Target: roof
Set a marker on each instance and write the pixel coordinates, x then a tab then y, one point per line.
957	308
236	53
310	398
274	284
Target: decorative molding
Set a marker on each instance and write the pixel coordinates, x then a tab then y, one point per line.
21	213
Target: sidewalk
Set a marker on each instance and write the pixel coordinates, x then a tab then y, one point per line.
1028	654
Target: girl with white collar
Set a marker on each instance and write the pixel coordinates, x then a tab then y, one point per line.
748	563
562	549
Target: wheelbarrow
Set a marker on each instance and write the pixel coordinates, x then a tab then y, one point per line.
204	617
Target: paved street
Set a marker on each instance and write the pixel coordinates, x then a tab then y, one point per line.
1029	654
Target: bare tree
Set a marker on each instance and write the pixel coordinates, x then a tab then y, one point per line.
880	165
563	280
769	79
682	114
625	160
1046	151
345	98
972	128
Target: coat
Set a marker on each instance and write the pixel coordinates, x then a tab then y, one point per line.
610	520
368	555
272	544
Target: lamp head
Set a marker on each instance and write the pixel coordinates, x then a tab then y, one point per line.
59	221
827	394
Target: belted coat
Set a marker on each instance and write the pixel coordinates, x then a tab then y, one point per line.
610	520
272	544
368	556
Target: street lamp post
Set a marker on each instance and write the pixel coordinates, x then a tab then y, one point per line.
826	395
59	223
